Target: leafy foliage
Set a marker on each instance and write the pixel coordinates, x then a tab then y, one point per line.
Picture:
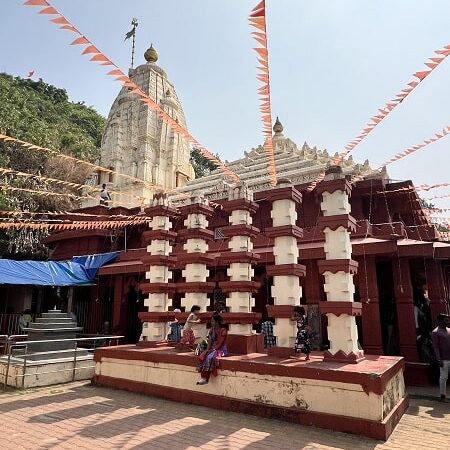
42	114
202	166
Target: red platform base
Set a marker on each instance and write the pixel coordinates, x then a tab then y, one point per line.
306	392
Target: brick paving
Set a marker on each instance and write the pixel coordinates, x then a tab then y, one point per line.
79	416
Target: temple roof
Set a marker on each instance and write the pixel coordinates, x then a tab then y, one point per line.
299	165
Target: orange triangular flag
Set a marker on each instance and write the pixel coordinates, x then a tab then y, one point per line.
50	10
90	49
80	40
36	3
61	20
100	57
261	4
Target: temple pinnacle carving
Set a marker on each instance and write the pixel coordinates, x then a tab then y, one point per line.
151	55
278	126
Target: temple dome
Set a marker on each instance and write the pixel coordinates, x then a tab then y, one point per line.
151	55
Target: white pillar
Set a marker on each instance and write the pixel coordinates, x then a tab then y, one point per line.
338	267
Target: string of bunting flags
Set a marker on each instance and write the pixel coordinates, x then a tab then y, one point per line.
78	225
445	131
418	77
257	20
94	167
99	57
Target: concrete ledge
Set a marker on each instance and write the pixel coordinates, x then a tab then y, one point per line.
376	430
367	398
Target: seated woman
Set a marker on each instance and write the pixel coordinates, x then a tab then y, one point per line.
217	348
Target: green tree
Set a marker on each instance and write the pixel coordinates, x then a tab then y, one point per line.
42	114
202	166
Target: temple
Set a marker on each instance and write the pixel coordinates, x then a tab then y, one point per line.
138	144
351	246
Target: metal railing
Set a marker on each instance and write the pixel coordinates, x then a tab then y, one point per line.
14	348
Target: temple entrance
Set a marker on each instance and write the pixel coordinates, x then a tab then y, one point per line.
135	305
388	309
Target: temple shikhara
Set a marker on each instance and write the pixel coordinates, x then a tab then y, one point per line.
137	144
342	240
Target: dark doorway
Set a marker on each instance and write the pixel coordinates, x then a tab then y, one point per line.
388	308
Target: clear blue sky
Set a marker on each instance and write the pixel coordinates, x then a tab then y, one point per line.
333	64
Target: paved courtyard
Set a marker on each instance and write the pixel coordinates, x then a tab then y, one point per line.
79	416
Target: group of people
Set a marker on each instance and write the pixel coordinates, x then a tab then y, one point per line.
210	350
303	337
214	347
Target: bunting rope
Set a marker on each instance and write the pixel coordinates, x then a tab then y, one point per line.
17	214
445	131
432	63
5	187
428	187
98	57
95	167
91	225
26	175
257	20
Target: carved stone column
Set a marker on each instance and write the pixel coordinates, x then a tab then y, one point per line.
338	268
159	261
286	289
195	260
240	258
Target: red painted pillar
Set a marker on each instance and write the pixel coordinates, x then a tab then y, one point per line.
435	285
405	309
117	306
368	290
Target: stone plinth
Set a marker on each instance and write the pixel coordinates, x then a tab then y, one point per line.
52	326
309	393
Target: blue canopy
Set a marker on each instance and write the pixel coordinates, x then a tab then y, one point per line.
78	271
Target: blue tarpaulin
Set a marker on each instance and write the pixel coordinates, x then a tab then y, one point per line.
78	271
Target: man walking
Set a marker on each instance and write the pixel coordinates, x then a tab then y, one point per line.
441	344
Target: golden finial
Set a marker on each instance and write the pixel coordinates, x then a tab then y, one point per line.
151	55
277	127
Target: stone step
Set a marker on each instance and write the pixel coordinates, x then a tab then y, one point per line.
55	314
46	325
53	320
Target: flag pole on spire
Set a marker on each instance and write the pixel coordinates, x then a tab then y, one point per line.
132	33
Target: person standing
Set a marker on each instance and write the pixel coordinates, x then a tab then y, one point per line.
303	339
441	344
188	336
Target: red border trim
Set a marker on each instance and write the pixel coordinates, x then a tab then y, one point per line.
196	208
195	286
284	230
298	270
338	265
240	204
283	193
240	230
335	185
334	222
158	260
338	308
161	210
163	235
239	257
239	286
157	288
195	233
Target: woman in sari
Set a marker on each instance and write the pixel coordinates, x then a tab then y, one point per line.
217	348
